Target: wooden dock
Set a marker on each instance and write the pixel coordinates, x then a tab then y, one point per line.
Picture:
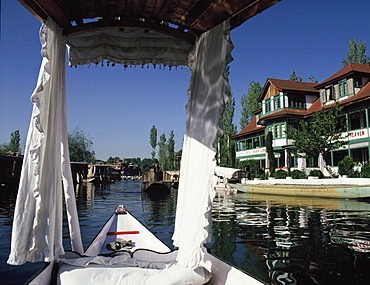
10	168
148	184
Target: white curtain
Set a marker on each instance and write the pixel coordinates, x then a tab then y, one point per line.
208	92
37	224
128	47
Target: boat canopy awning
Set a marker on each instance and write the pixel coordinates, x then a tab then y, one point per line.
226	172
183	19
179	32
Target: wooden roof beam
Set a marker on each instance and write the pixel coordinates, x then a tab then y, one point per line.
248	12
54	11
34	9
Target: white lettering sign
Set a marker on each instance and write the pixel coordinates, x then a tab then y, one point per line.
250	152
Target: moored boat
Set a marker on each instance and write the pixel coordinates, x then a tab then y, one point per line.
225	175
124	247
345	188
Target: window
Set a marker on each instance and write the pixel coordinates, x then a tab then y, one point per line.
277	104
358	82
330	93
312	160
268	106
322	96
342	123
248	144
277	132
357	120
297	101
256	142
283	134
342	87
262	141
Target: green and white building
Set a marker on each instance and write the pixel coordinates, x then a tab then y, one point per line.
284	103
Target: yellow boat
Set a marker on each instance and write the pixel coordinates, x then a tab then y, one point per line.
345	188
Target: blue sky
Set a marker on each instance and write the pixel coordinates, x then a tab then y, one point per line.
117	107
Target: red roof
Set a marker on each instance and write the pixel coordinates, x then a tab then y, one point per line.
283	113
293	85
287	85
363	94
344	72
252	127
316	106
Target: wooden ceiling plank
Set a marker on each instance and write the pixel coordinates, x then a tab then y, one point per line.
164	8
104	10
75	12
52	9
135	8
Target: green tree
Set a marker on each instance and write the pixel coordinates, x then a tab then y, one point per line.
15	139
270	153
80	146
312	79
249	103
321	134
226	147
294	77
135	160
162	152
153	140
171	151
13	145
146	164
113	159
356	53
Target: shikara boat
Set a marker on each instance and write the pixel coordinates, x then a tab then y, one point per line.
165	34
345	188
126	248
225	175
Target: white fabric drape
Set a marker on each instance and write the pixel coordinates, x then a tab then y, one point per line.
128	47
208	92
37	224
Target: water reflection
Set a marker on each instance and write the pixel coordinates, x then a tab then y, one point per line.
288	240
280	240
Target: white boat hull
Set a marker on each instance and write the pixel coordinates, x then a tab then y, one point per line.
146	246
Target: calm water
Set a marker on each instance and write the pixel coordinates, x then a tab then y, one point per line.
280	240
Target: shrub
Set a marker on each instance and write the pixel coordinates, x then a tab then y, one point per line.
355	174
297	174
317	173
365	170
280	174
345	166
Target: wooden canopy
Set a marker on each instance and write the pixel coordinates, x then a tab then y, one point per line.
185	19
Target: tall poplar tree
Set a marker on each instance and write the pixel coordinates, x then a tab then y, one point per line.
356	53
226	147
249	103
171	151
162	152
270	153
153	140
